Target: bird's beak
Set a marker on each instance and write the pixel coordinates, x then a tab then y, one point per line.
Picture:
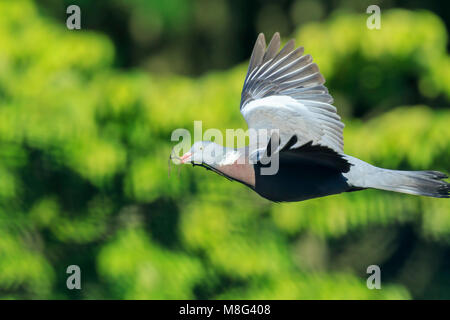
186	157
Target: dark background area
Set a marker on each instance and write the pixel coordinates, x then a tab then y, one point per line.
193	37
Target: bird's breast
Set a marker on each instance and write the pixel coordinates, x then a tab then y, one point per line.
241	172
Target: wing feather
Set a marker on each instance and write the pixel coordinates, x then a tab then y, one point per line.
257	54
272	48
284	90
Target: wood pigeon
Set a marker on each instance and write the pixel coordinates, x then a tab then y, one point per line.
284	94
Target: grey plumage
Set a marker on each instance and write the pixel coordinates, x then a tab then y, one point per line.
284	90
425	183
314	122
291	74
270	74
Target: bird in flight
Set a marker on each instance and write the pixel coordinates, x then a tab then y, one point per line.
284	94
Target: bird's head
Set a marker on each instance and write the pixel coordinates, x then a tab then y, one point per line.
206	152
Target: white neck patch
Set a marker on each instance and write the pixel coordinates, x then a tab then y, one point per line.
230	158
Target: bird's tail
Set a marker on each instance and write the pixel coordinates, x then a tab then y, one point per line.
423	183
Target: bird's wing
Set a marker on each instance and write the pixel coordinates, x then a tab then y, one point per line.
317	154
284	90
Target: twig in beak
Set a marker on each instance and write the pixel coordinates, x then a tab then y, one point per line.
168	165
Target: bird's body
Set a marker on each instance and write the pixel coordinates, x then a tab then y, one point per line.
284	95
299	182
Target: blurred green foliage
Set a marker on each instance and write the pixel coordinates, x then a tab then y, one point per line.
83	171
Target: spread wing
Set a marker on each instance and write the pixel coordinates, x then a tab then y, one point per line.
284	90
